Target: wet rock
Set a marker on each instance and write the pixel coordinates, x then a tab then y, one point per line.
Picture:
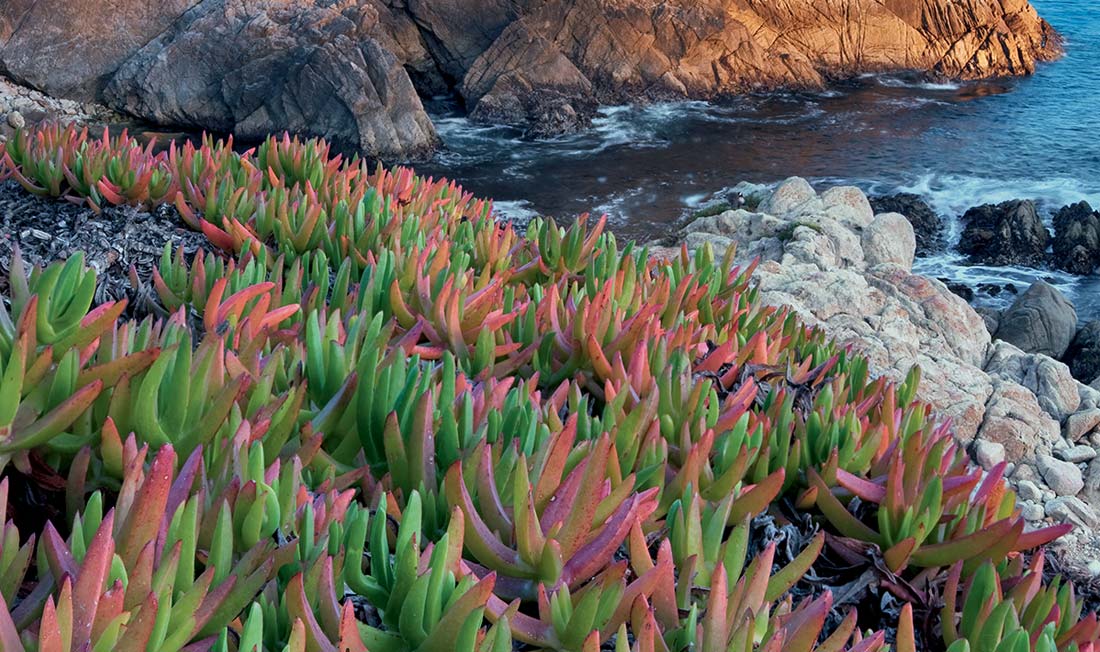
1040	321
1010	233
1063	477
1083	354
927	225
1077	238
889	239
961	289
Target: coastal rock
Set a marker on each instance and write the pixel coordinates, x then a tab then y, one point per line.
254	67
1082	423
1041	320
1077	238
1010	233
792	198
849	206
1083	354
349	65
1014	419
889	239
1063	477
1070	509
927	225
1049	380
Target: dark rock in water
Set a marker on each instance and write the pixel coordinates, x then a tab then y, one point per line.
927	225
1041	320
1077	238
1083	355
235	66
961	289
1009	233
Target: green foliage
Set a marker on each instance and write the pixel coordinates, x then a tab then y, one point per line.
371	417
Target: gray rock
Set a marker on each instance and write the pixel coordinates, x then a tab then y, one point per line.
927	225
1057	393
1010	233
792	198
1070	509
1063	477
1032	511
1028	490
991	316
16	120
1040	321
889	239
1083	354
1076	454
1077	238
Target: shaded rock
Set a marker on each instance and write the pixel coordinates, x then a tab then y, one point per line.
1041	320
991	316
253	68
927	225
1063	477
1010	233
1083	354
889	239
961	289
1077	238
1049	380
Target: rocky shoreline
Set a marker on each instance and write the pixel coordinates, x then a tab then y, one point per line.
842	266
355	71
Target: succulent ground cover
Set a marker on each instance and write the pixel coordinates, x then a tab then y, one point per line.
365	415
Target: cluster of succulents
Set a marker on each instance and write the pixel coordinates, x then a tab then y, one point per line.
371	417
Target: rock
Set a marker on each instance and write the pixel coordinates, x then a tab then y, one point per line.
1041	320
16	120
849	206
792	198
927	225
254	68
988	454
1049	380
1014	419
960	289
1063	477
1081	423
1027	490
1083	354
1032	511
1077	238
1094	567
754	194
1075	454
1072	510
991	317
1010	233
889	239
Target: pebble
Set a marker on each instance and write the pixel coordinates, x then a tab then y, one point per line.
16	120
988	454
1032	511
1077	454
1028	490
1094	567
1063	477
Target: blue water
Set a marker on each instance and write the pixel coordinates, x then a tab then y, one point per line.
958	145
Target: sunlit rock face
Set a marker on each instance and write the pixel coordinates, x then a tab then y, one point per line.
352	70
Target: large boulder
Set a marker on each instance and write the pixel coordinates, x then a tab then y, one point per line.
253	67
1010	233
889	239
1077	238
1041	320
1083	354
927	225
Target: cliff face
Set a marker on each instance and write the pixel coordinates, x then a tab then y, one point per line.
352	69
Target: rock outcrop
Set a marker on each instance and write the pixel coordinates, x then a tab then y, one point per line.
927	225
351	69
1077	238
1011	233
824	257
1041	320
